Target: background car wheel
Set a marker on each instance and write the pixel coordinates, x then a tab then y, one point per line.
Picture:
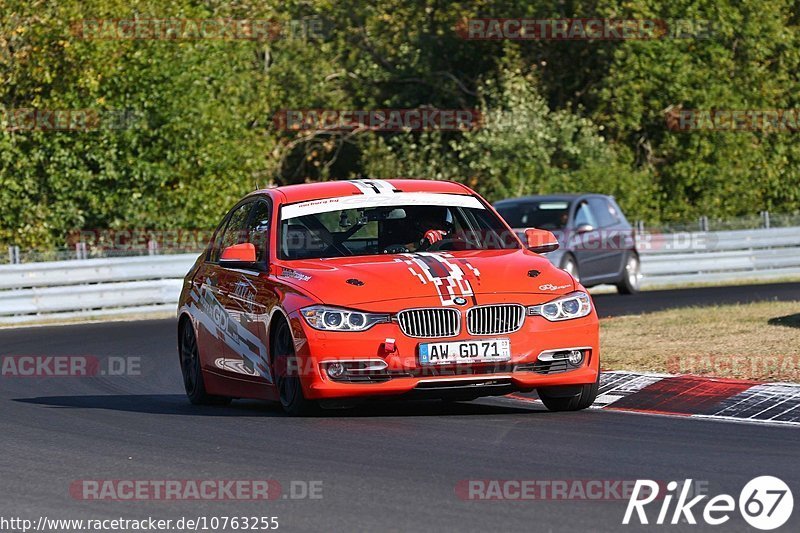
287	381
570	265
569	398
192	373
631	276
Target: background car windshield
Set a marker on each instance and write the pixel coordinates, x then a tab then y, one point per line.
547	215
392	229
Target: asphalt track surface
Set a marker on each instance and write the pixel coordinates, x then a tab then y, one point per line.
387	467
650	301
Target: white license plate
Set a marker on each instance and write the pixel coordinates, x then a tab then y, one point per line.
459	352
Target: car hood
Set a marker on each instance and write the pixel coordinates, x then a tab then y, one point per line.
426	278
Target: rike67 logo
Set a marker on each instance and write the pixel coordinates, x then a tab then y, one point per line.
765	503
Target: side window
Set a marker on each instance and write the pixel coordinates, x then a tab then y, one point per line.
258	230
604	212
213	253
584	215
235	232
616	211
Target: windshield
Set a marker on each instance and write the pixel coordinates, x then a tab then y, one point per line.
549	215
386	224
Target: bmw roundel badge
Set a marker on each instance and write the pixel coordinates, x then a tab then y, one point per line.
460	301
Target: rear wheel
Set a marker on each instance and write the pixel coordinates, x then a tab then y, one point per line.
632	275
192	373
569	398
285	368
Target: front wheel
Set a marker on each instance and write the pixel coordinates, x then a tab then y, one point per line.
571	266
570	397
632	275
286	368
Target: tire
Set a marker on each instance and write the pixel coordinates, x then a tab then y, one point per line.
290	389
631	275
192	373
569	398
571	266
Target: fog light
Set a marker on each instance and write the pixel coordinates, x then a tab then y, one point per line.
336	370
575	357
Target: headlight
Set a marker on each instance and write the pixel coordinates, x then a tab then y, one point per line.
575	305
337	319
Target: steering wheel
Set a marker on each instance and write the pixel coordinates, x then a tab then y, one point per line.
426	246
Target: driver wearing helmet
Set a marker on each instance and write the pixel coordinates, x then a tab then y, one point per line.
433	224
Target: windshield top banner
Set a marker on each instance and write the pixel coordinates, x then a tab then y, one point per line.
327	205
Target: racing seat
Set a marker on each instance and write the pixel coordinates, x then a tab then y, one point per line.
299	242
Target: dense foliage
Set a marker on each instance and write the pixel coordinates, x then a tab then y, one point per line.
196	129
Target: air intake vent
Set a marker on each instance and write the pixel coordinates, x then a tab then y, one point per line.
495	319
436	322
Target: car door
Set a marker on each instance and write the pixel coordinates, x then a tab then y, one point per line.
611	253
205	307
229	294
585	241
249	297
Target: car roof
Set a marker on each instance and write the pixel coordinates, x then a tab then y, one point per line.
331	189
563	197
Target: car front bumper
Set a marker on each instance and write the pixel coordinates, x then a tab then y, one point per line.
401	373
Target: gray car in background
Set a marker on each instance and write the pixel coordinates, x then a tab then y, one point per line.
596	243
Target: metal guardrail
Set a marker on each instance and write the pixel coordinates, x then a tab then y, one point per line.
76	272
101	287
92	287
720	256
44	301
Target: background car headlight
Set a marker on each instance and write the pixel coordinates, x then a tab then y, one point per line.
338	319
574	305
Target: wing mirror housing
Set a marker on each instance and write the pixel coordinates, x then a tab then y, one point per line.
584	228
540	241
239	256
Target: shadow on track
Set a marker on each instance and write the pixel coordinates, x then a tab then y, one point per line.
160	404
789	321
176	404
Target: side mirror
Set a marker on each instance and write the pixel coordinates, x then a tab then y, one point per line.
239	256
584	228
540	241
